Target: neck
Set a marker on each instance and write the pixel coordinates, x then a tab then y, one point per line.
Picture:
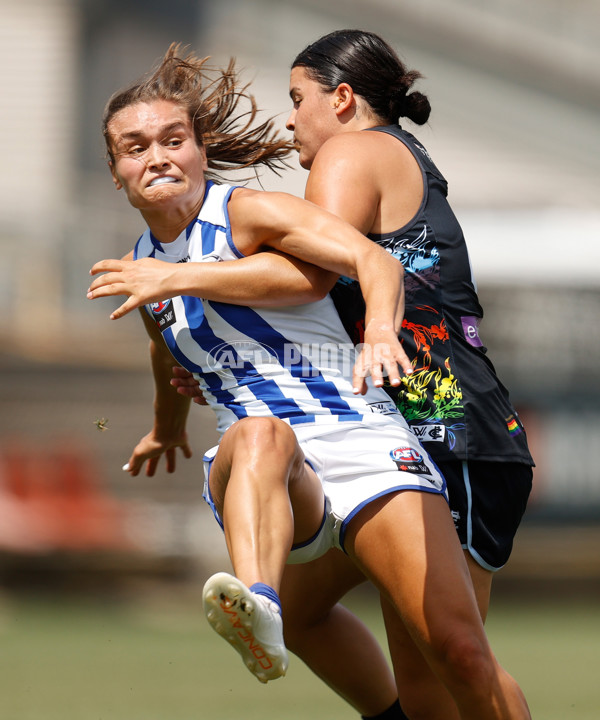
166	225
362	117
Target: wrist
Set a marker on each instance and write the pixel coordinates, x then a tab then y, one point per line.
380	324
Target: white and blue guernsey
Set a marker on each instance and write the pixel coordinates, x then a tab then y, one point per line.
292	362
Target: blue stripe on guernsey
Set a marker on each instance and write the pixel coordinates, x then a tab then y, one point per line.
212	380
267	391
157	244
228	236
244	372
253	325
189	228
137	247
208	237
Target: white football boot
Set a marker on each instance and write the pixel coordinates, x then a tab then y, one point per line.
250	622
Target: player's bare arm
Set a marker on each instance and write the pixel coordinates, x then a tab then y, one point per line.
265	279
305	231
170	412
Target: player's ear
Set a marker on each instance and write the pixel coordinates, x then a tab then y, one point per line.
115	177
343	98
204	158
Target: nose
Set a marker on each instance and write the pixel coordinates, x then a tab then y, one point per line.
290	123
156	157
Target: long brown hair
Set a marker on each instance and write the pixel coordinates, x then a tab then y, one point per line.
213	99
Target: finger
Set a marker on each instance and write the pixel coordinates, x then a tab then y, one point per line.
386	361
107	278
182	373
187	451
380	360
393	374
132	466
106	265
185	390
404	362
359	384
129	305
377	375
170	458
151	466
200	400
108	291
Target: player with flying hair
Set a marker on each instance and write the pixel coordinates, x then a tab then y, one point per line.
304	468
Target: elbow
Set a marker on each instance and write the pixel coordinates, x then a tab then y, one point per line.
319	286
315	294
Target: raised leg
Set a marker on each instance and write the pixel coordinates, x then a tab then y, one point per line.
266	495
268	498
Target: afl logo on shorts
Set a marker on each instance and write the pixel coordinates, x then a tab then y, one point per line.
409	460
163	313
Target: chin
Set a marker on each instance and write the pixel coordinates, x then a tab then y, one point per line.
305	162
164	192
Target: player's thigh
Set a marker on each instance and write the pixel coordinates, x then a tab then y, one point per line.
264	441
406	544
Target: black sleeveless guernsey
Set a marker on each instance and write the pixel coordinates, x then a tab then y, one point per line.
453	401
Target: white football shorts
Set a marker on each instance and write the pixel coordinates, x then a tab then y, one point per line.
357	462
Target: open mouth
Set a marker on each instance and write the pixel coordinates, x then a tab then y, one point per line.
163	180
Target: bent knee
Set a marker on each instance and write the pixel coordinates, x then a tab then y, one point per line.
302	631
469	661
264	435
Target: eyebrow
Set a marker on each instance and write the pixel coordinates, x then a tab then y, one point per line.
134	134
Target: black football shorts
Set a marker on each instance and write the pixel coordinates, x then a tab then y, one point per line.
487	500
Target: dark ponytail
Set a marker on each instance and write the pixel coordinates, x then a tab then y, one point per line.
371	68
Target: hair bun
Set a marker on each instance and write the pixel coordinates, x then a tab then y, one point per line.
417	107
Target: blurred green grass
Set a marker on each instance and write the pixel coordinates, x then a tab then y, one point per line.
154	657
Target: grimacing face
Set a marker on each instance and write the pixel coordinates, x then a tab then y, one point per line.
157	160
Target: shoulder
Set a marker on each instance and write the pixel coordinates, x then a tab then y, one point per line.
260	204
352	153
258	216
347	149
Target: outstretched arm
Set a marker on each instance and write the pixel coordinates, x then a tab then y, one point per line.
266	279
170	412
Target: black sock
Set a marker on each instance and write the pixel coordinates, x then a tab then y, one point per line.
392	713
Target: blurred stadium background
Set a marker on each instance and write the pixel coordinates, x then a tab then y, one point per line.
515	91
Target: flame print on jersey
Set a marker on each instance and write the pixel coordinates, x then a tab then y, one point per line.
430	395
